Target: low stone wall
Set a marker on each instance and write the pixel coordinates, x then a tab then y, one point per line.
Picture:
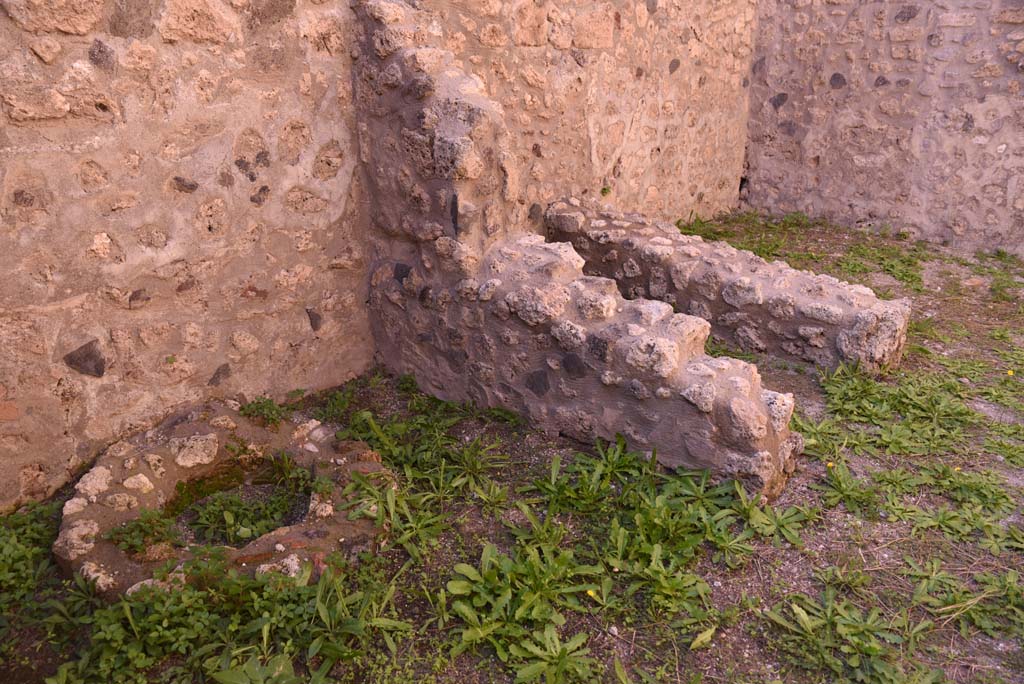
753	304
531	333
143	473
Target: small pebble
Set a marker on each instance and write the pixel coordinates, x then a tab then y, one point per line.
279	547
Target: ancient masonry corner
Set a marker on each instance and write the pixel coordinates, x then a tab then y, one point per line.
480	306
212	200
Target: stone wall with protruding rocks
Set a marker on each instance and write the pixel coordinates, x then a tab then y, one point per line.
756	305
642	101
181	216
906	114
468	297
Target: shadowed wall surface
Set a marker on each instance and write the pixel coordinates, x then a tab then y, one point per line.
892	113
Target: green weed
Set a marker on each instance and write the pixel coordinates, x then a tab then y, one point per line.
151	527
266	410
832	634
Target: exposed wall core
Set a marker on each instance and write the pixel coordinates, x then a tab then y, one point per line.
906	114
180	217
758	306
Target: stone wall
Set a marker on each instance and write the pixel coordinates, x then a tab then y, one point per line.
203	198
900	113
751	304
468	297
180	216
644	99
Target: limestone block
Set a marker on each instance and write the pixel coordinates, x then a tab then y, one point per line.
199	21
190	452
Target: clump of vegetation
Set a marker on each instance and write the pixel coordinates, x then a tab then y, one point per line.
228	517
150	528
767	238
832	634
713	347
1005	272
906	413
225	517
25	538
266	410
187	493
336	408
226	627
902	262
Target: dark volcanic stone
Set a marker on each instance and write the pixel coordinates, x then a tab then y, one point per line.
260	196
598	347
87	359
138	298
184	184
316	321
537	382
402	272
222	373
906	13
102	55
536	212
574	366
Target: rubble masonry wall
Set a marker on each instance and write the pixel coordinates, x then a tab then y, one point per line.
905	114
180	211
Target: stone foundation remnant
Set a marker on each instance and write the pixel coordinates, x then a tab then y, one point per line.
146	471
756	305
534	334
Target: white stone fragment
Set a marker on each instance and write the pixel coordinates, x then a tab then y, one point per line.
190	452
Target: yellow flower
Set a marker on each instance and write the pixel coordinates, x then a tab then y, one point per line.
830	464
957	469
1009	372
591	593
